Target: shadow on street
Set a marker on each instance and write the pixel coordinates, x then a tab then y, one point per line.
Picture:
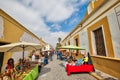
45	70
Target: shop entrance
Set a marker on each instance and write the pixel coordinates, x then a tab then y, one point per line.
99	40
1	57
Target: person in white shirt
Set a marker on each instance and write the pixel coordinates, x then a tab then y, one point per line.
33	57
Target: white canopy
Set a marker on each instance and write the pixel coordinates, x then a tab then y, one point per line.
14	47
20	46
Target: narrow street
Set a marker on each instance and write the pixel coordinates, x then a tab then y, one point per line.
56	71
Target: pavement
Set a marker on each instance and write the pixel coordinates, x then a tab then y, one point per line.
103	76
55	70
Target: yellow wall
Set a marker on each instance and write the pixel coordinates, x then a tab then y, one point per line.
12	33
97	3
108	65
107	36
12	30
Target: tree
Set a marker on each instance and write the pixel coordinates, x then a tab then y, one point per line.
58	44
59	39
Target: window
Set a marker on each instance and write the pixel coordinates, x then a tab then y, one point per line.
68	42
76	41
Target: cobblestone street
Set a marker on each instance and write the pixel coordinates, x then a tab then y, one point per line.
56	71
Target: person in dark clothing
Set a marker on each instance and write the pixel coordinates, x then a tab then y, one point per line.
51	53
45	58
60	55
57	54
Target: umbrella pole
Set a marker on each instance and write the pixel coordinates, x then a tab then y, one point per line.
23	54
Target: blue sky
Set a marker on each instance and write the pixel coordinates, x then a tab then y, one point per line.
48	19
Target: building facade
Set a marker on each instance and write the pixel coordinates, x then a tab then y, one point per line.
10	32
99	32
47	47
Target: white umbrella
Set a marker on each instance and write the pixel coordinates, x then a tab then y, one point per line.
20	46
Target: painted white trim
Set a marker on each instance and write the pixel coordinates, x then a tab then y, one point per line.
104	41
93	43
1	27
89	8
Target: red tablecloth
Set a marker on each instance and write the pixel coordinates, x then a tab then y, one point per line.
81	68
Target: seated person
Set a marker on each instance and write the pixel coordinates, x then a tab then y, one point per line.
73	63
19	66
27	63
70	62
85	59
10	71
67	62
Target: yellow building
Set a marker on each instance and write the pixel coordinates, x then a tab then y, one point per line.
12	31
99	32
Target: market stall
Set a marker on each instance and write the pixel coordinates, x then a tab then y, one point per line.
74	65
32	74
25	68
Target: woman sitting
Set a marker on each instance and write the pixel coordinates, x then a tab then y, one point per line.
10	71
19	66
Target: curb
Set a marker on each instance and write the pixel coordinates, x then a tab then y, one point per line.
96	76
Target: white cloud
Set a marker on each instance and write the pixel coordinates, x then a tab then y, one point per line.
53	10
30	14
53	37
84	1
73	21
56	27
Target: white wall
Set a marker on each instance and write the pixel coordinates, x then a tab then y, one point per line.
71	41
28	38
18	55
84	39
115	30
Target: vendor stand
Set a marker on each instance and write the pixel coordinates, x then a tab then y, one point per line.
26	72
71	68
32	74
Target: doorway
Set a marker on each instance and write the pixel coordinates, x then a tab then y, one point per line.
1	57
99	41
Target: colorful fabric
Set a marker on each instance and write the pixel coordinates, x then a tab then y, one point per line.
79	62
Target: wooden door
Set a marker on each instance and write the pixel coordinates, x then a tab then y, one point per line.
99	40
